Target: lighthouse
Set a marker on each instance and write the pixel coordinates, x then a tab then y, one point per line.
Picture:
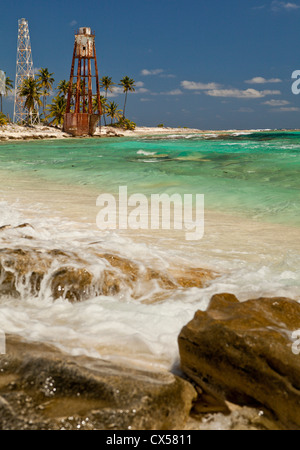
82	113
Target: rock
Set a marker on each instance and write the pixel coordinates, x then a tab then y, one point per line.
32	271
242	353
72	283
43	388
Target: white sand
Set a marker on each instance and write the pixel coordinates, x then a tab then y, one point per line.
142	131
17	132
13	131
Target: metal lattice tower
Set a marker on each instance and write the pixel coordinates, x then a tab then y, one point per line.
83	120
24	70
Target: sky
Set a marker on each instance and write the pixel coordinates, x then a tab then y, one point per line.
207	64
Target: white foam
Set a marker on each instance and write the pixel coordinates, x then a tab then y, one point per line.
257	261
143	152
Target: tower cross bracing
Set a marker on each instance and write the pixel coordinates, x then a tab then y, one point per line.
24	70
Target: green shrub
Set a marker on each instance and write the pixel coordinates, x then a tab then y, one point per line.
3	119
126	124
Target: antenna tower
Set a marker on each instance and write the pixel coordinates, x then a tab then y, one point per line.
24	70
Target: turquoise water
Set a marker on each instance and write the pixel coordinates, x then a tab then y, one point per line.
254	174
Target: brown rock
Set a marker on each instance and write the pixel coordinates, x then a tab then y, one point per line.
72	283
25	271
242	352
42	388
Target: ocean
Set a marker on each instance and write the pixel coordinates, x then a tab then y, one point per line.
129	305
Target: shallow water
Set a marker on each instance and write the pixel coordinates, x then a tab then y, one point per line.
252	239
253	174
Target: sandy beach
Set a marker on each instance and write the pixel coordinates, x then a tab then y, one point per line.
35	132
13	131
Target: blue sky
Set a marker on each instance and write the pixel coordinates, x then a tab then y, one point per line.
211	64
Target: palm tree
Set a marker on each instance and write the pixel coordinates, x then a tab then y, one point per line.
106	83
46	81
8	85
30	89
63	88
1	101
8	88
104	105
57	110
128	85
73	94
113	112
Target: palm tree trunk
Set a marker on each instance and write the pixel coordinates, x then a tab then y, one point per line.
44	106
1	102
105	102
125	104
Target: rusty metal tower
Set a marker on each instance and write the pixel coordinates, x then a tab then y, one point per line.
24	70
82	114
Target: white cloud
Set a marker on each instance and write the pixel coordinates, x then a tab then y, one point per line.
140	91
159	72
238	93
139	88
289	109
287	6
146	72
11	95
198	86
117	90
276	102
167	75
261	80
73	23
173	92
214	89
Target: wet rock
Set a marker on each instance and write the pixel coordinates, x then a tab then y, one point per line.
242	352
42	388
193	277
173	279
4	227
32	271
72	283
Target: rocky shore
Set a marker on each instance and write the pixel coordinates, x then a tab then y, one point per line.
244	352
239	361
237	364
42	388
